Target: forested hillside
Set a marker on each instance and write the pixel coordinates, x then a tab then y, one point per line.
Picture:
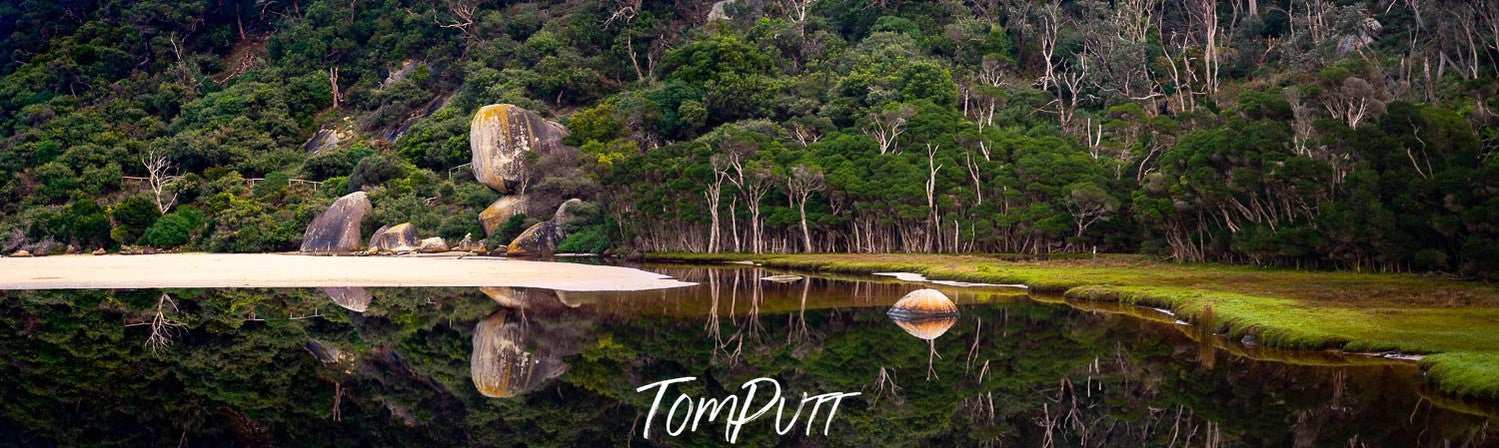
1312	133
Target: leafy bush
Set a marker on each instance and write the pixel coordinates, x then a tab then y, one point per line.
132	216
327	164
590	240
174	229
375	170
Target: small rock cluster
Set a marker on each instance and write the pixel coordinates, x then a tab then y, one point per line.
17	246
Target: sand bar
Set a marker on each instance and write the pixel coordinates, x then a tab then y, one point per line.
202	270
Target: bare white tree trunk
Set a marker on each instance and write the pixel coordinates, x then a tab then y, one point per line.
931	194
160	173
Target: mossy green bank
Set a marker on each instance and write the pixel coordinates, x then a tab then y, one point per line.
1454	323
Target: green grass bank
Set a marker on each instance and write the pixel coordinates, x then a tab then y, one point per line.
1454	323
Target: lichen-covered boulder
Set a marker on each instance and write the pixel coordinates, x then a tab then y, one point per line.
398	239
352	298
499	137
495	216
543	237
500	366
337	229
433	245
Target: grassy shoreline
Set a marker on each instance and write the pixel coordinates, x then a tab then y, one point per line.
1454	323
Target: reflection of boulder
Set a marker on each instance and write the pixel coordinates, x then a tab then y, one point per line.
528	298
543	238
928	328
497	214
337	229
924	313
398	239
353	298
501	367
327	354
500	136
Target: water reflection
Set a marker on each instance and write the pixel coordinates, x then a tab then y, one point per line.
927	329
501	366
507	366
354	298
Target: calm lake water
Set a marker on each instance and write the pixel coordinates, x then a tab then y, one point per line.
509	367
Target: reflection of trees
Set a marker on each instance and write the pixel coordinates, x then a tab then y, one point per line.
75	375
163	328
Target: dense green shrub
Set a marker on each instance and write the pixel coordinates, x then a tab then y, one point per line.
132	216
174	229
590	240
375	170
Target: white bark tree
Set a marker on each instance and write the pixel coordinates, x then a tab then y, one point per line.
160	174
714	194
933	227
887	125
802	181
1088	204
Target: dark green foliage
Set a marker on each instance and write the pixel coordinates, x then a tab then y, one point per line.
376	170
132	216
1297	152
590	241
511	229
81	222
327	164
174	229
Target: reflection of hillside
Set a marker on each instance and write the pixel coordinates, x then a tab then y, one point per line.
740	291
420	367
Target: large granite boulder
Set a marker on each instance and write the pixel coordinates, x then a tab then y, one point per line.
499	137
924	313
923	303
433	245
322	140
337	229
719	10
501	366
398	239
495	216
542	239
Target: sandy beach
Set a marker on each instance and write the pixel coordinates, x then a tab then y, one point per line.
203	270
